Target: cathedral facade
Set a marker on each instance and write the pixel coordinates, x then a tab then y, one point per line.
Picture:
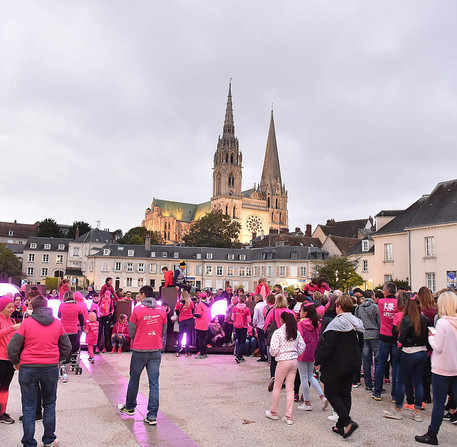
258	210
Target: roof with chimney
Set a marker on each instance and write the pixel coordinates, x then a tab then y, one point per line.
346	228
95	235
19	230
48	243
286	239
437	208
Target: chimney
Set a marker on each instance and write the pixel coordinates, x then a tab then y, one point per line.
308	230
147	242
297	230
77	233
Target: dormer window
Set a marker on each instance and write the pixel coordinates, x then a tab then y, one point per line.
365	245
209	256
33	245
230	256
130	252
164	254
242	257
47	246
106	252
176	254
153	254
198	256
61	247
10	233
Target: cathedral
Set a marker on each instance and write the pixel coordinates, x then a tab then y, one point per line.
259	210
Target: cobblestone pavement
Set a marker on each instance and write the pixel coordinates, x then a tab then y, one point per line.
205	402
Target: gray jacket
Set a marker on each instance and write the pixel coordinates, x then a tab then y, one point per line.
368	312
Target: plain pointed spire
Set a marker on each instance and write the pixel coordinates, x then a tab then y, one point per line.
271	173
229	125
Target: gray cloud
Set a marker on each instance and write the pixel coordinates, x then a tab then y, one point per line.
106	104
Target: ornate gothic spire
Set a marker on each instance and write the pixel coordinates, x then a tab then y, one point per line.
229	125
271	173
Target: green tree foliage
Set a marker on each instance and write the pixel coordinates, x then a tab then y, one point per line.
117	235
215	229
49	228
84	228
10	265
340	273
137	236
398	282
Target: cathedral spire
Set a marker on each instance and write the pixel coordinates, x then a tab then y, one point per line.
271	174
229	125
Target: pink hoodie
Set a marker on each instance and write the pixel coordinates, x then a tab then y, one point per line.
6	332
444	344
311	338
277	313
78	296
69	312
241	316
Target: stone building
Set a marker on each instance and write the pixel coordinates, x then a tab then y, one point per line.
258	210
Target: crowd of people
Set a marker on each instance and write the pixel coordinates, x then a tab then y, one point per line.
314	338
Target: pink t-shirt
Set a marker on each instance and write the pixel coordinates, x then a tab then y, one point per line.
91	332
69	317
149	323
6	332
387	309
185	312
202	323
41	343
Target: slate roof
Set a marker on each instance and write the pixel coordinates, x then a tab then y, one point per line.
182	211
440	207
19	230
95	235
54	241
218	254
344	228
388	213
344	244
357	249
272	240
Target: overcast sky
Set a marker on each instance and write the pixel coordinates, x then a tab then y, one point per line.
107	104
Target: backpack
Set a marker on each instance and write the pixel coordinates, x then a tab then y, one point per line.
271	328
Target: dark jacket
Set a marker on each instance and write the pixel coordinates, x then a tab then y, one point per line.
368	312
326	319
408	338
340	350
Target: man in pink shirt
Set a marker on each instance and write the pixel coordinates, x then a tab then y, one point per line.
147	329
35	350
387	310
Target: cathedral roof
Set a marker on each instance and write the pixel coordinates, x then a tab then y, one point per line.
271	173
187	212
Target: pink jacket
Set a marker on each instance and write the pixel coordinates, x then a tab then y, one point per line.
444	344
94	308
121	329
6	332
105	306
204	310
69	312
106	288
311	338
262	289
277	313
241	316
91	330
81	303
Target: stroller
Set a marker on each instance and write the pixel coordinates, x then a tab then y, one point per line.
73	365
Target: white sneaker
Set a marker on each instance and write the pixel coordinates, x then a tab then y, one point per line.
333	417
65	378
270	415
288	420
305	407
392	414
324	403
415	416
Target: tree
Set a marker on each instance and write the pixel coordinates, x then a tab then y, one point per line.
49	228
215	229
137	236
117	235
340	273
400	283
10	265
84	228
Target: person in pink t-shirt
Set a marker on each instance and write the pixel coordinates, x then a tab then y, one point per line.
202	319
185	310
147	329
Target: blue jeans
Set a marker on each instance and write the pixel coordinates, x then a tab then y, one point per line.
384	350
29	378
241	334
370	349
442	386
138	361
262	345
411	365
185	327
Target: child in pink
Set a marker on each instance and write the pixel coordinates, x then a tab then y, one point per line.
91	331
120	336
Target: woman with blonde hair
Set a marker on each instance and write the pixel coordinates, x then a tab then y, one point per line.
185	310
444	363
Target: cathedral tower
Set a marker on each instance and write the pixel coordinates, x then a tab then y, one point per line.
271	188
227	171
